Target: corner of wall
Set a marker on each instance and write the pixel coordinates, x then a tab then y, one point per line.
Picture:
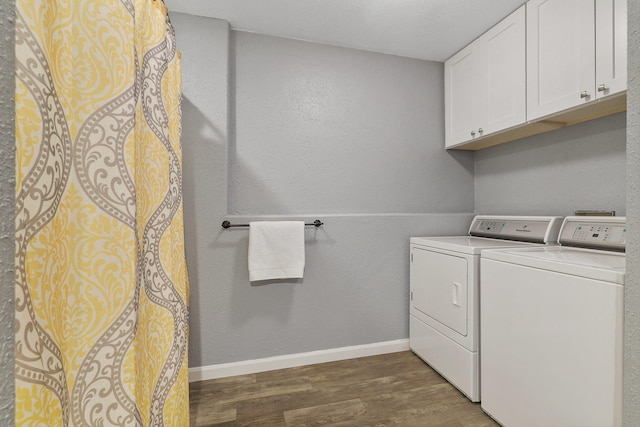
7	209
631	404
206	132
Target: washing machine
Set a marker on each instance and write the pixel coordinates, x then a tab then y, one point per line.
551	328
445	290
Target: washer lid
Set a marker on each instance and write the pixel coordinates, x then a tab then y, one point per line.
465	244
589	263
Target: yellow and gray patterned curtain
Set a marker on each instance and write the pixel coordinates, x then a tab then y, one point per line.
101	282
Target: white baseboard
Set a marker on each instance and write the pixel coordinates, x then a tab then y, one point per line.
292	360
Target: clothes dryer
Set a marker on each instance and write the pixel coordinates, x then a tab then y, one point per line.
445	289
551	328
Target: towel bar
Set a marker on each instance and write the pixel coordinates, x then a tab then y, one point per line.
227	224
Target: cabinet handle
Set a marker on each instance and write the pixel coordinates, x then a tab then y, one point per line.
602	88
584	94
473	133
480	131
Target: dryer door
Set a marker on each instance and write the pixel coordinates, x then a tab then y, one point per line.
439	286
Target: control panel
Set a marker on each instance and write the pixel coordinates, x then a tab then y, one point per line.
608	233
491	226
536	229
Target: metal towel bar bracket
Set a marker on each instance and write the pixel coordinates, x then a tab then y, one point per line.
227	224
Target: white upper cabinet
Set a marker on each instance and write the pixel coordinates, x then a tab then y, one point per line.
611	47
461	98
560	55
576	53
503	74
550	64
485	83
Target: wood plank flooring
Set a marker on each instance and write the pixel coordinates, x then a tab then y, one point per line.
396	389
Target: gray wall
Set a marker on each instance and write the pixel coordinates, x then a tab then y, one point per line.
7	209
555	173
632	287
204	44
355	289
321	129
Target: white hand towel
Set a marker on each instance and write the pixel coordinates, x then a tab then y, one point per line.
276	250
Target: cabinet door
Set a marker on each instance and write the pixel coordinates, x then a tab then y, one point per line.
460	80
560	55
503	75
611	47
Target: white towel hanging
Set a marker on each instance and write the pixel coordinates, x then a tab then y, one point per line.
276	250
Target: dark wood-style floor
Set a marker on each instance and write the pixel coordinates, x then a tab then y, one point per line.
396	389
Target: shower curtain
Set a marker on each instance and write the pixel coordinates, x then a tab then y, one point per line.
101	282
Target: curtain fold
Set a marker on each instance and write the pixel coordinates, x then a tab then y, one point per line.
101	282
